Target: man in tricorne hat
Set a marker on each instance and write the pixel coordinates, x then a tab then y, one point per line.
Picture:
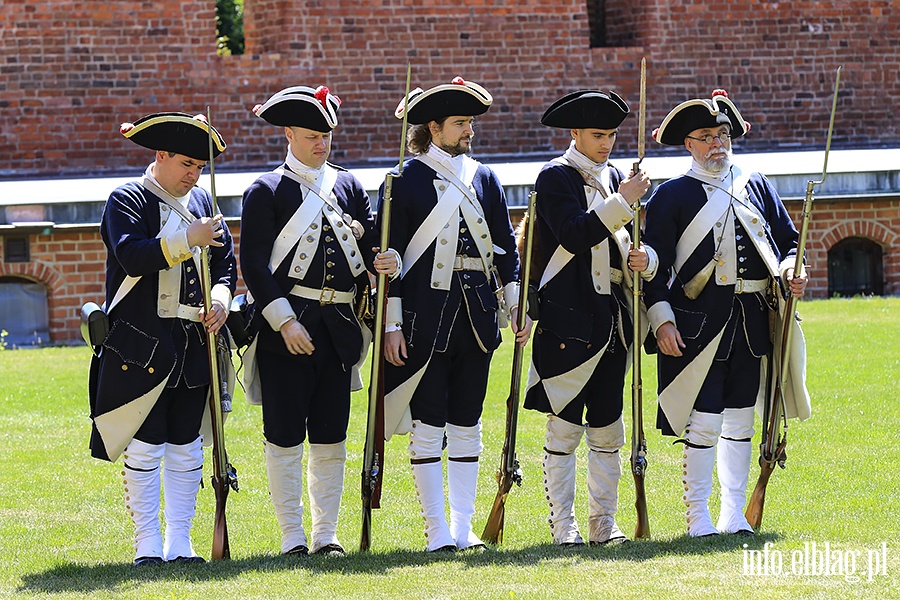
450	222
150	382
726	247
583	254
307	240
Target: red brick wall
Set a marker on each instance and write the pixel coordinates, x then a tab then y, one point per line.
70	72
72	265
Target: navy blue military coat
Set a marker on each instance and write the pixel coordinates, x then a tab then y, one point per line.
426	323
268	204
572	313
671	208
144	351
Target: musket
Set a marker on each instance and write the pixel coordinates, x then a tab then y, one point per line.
509	471
774	438
638	441
224	475
373	455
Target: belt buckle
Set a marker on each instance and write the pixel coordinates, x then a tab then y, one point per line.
739	286
327	295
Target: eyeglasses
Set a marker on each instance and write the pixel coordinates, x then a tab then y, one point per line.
708	139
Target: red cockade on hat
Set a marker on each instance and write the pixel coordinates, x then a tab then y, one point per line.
458	81
322	96
719	92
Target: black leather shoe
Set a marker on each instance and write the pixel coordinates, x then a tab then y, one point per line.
300	550
447	548
188	560
612	541
148	561
330	550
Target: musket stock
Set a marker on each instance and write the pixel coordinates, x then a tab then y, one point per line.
774	437
373	454
509	471
638	441
224	475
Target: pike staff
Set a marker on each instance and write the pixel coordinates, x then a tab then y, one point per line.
638	441
224	475
774	438
509	471
373	456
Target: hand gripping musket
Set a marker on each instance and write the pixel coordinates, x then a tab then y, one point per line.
509	471
774	437
224	475
638	441
373	455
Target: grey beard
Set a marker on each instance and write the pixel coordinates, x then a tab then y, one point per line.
717	167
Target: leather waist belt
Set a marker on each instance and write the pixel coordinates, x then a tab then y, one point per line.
750	286
467	263
616	276
325	295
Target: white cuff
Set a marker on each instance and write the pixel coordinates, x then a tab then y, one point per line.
399	270
614	212
511	295
786	264
278	312
394	313
650	272
221	293
660	314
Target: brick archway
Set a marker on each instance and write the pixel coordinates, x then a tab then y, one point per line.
37	271
868	229
41	272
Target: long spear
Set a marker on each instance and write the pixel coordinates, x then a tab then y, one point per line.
774	439
638	441
373	455
224	475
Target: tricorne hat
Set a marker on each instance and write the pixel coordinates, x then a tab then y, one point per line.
457	98
301	106
586	109
697	114
175	132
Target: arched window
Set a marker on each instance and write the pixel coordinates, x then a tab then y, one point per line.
23	312
855	266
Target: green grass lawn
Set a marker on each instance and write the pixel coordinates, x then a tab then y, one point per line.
64	532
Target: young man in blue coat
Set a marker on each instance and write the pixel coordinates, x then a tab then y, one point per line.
726	248
150	381
307	242
584	260
450	222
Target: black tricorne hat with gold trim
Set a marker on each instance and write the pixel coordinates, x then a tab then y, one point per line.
586	109
698	114
301	106
459	98
175	132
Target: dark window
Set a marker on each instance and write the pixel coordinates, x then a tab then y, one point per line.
15	249
596	10
855	266
23	312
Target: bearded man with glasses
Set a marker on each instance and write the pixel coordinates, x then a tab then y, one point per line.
726	247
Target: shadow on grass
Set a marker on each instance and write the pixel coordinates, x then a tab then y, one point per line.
74	577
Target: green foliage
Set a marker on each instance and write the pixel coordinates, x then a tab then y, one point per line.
64	532
229	27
